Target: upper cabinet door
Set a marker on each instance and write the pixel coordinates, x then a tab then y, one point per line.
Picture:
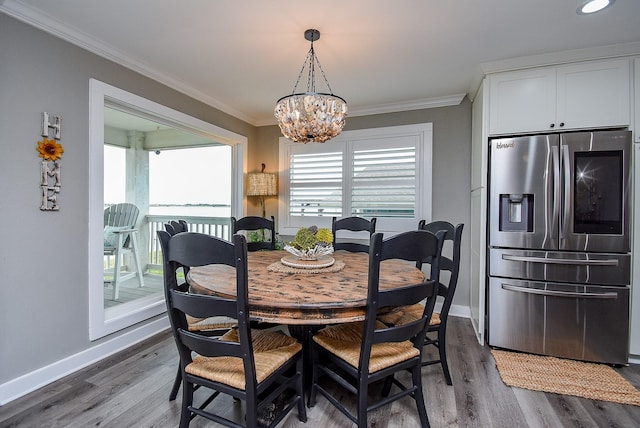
593	94
522	101
585	95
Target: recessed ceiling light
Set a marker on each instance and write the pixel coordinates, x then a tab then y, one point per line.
593	6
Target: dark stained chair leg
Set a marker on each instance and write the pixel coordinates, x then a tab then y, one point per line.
176	386
442	350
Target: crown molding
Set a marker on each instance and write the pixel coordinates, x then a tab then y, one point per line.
450	100
36	18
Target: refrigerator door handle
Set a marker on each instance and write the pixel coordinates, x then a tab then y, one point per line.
606	262
566	190
554	293
555	189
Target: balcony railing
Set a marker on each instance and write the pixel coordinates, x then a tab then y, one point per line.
215	226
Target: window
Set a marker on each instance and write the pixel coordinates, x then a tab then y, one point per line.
133	162
383	173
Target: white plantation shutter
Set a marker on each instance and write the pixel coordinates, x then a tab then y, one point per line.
383	182
383	173
315	184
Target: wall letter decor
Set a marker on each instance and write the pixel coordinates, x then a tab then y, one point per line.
50	151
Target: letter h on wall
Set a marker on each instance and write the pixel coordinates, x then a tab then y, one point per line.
51	122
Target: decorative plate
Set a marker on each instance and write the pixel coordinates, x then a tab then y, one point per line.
321	262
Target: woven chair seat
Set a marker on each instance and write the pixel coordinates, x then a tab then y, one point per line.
271	350
211	323
345	340
405	314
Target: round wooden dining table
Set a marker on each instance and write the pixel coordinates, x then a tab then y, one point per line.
308	296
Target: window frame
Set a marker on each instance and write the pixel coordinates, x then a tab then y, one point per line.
347	142
103	322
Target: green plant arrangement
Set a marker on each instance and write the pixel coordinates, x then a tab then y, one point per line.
310	243
258	236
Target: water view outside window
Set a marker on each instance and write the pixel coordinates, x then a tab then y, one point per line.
191	182
182	182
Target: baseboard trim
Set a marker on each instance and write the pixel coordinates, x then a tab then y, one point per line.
29	382
457	311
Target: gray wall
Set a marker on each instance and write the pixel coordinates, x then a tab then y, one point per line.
43	255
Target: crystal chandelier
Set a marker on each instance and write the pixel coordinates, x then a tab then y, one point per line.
311	115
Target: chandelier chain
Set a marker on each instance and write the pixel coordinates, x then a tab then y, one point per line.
311	59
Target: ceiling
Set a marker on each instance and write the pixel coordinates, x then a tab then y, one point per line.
242	55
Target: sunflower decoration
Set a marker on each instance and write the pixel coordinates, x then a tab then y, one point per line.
49	150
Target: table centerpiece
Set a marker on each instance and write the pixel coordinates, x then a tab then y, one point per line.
311	243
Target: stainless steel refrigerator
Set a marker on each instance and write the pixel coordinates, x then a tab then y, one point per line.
559	246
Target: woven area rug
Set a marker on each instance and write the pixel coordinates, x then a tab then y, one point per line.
562	376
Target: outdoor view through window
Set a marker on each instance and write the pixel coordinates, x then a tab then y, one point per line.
187	182
165	174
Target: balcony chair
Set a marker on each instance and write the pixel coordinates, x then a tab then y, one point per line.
254	366
120	238
355	355
438	323
354	224
214	326
252	223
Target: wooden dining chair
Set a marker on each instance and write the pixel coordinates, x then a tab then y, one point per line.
252	223
355	355
353	224
120	239
254	366
214	326
176	226
438	322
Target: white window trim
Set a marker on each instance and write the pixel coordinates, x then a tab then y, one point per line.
424	179
103	321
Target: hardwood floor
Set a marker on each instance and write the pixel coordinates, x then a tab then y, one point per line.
131	389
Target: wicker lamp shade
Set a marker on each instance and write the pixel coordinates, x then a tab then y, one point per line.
262	184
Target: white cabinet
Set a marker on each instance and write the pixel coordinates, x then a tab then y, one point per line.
522	101
590	94
478	224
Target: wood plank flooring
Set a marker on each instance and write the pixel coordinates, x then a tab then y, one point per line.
131	290
131	389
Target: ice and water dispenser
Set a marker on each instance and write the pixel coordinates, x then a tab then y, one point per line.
516	212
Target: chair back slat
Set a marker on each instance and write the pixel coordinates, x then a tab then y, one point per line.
197	249
253	223
199	306
353	224
121	215
210	346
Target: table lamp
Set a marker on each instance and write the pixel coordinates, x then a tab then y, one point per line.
262	184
